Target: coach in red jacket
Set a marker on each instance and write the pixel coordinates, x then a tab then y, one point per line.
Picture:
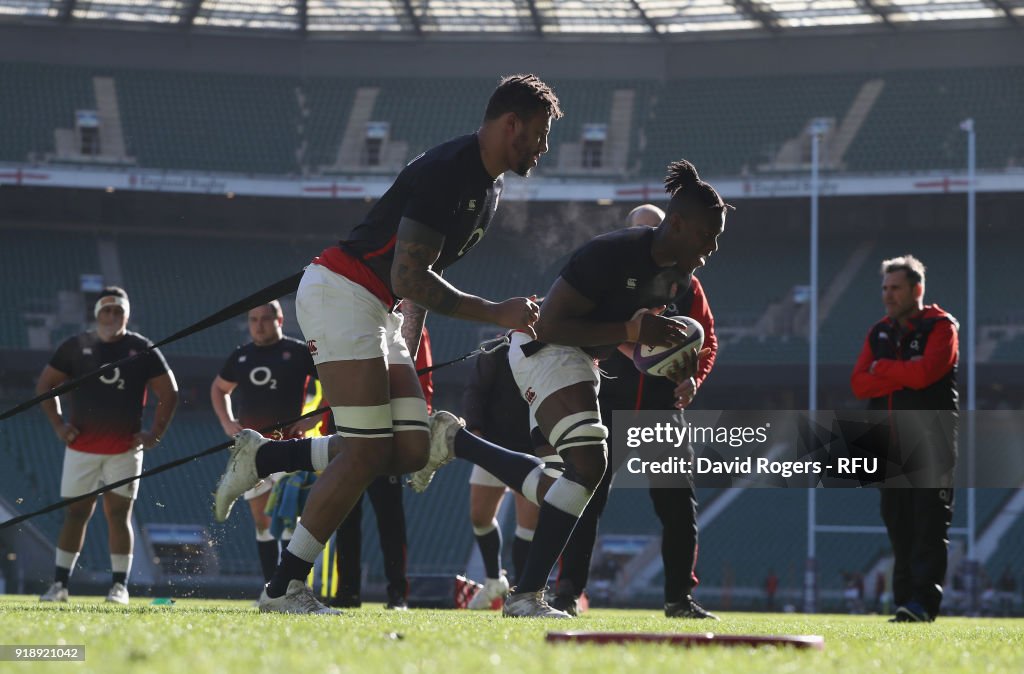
909	363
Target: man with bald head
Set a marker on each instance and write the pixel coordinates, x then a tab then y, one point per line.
645	215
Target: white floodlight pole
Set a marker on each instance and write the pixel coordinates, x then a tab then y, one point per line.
972	342
817	129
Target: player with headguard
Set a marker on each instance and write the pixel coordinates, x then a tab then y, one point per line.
608	296
437	210
675	503
103	433
261	383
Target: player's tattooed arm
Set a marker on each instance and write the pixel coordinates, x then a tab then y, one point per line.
413	316
416	250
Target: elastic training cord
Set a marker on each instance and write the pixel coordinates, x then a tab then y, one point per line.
257	299
485	347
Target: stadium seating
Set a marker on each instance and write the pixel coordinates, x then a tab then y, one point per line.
37	99
916	120
328	102
45	264
728	126
219	272
210	122
443	108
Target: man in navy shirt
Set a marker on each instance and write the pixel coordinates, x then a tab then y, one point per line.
103	433
607	297
438	208
261	383
626	388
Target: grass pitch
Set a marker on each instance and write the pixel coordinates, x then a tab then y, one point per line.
198	636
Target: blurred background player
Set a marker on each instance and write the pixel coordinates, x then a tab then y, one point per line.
438	208
607	297
388	507
626	388
103	433
495	410
908	362
261	383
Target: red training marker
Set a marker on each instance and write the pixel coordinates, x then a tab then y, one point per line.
700	639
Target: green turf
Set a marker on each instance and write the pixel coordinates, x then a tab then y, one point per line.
195	636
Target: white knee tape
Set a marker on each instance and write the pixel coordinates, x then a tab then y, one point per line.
530	485
554	466
486	529
482	478
370	421
524	533
320	452
568	496
578	430
409	414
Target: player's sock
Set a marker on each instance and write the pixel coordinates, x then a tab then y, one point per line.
296	561
519	471
284	456
270	553
120	567
521	547
489	540
563	504
65	566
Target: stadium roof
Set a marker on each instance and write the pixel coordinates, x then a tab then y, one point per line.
637	18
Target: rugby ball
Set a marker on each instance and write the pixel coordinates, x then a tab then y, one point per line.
657	361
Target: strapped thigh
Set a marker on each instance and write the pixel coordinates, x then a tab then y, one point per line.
578	430
363	421
409	414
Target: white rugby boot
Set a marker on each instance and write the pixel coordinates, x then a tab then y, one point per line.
443	427
118	594
56	592
240	474
530	605
298	598
493	589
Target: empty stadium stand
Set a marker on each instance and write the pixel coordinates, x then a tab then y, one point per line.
727	126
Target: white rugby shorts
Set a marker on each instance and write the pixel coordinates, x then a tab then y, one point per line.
342	320
84	471
552	368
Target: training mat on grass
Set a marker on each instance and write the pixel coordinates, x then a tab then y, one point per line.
683	639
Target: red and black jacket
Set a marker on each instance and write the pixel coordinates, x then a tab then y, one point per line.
914	366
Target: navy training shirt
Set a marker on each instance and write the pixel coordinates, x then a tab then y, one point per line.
617	273
271	381
448	189
107	410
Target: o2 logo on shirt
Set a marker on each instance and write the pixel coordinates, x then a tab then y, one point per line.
113	378
262	376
